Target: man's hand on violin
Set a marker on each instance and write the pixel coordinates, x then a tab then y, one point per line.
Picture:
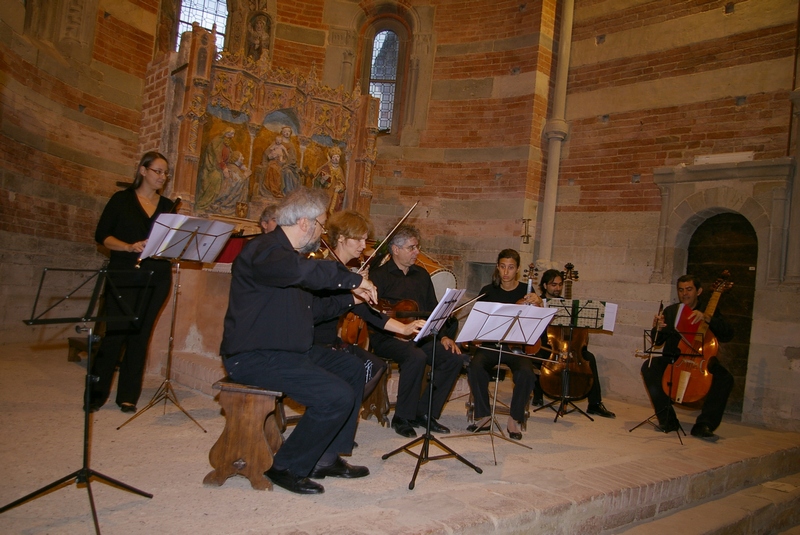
413	327
450	345
697	316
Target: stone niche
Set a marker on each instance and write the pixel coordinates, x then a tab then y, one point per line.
248	133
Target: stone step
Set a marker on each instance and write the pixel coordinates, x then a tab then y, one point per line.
770	507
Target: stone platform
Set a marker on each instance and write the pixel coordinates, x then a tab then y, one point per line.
581	477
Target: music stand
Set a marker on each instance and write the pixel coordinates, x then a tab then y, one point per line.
650	351
177	237
573	314
432	326
503	323
101	277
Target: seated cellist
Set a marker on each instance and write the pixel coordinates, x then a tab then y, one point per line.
677	318
347	234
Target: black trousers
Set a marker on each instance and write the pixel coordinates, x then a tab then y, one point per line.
125	342
478	373
713	405
328	383
374	366
412	359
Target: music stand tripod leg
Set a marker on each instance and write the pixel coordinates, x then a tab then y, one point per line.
165	391
670	403
84	474
427	438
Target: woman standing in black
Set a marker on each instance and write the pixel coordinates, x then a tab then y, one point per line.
123	229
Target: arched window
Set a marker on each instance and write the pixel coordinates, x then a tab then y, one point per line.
383	70
383	75
206	13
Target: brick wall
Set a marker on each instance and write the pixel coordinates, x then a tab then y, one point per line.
68	134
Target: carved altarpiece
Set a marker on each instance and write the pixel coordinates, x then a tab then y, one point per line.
233	104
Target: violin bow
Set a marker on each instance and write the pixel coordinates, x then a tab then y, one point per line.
388	236
658	328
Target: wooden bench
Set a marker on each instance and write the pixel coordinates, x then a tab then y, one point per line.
252	434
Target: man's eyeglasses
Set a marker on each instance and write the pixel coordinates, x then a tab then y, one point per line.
410	248
159	172
324	230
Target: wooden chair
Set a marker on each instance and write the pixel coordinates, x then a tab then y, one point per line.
252	434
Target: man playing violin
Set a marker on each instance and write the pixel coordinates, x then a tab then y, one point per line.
552	284
401	279
268	334
667	329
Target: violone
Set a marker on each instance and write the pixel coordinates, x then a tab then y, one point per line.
567	375
689	376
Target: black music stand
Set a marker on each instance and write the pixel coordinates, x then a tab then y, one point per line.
503	323
176	237
572	314
650	351
101	277
435	322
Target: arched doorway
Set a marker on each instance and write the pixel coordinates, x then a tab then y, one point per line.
728	241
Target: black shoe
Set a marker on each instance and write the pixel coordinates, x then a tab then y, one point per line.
512	434
403	427
600	410
537	402
422	421
293	483
473	428
94	406
702	431
127	407
670	427
339	468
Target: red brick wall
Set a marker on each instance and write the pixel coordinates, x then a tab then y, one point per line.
121	45
606	150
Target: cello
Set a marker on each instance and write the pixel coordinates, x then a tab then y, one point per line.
566	374
688	380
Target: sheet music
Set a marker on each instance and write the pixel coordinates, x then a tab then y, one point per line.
186	237
440	314
587	313
493	322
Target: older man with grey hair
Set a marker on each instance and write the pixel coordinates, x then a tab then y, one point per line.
268	341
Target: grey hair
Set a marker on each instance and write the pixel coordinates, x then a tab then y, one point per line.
403	234
269	213
302	203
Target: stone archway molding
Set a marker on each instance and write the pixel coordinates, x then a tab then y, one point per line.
758	190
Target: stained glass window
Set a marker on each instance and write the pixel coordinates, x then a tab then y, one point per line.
206	13
383	76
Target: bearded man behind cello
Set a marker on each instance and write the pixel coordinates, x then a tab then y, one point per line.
667	329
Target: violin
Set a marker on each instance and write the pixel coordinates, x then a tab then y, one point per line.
567	375
688	380
404	311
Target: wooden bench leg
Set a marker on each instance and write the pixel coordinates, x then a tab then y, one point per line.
378	401
248	442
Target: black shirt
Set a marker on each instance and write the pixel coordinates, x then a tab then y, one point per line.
125	219
670	337
496	294
271	306
393	285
